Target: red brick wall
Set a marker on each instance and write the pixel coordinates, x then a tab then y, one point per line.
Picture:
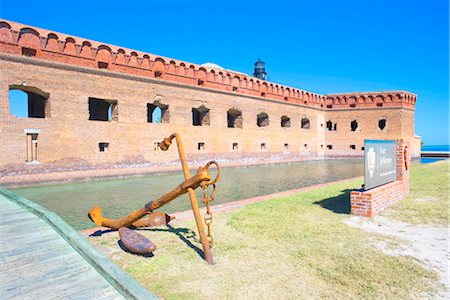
368	203
71	69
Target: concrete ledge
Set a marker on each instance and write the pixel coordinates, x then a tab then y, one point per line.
118	278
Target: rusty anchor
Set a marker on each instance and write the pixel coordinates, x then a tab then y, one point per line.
137	243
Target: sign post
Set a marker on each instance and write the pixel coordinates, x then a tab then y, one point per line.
380	163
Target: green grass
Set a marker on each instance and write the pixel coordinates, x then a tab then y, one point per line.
427	202
295	247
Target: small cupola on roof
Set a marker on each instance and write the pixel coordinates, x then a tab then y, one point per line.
212	66
260	70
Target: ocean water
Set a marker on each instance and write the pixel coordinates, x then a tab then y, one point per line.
436	148
427	160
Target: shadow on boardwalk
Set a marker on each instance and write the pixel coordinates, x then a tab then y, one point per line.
339	204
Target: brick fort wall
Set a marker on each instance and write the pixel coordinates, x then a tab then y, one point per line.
243	118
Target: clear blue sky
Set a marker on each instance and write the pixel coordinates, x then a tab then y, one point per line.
321	46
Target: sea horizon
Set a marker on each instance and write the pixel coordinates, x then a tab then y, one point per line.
436	148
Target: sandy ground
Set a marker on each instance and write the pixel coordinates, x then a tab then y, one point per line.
428	244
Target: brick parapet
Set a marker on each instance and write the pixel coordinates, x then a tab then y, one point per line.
371	99
20	39
15	38
370	202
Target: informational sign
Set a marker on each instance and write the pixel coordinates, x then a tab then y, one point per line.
380	163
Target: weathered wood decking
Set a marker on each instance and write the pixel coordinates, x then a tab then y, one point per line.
37	263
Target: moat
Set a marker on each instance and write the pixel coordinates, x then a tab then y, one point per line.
118	197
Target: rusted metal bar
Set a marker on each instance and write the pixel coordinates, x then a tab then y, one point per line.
156	218
164	145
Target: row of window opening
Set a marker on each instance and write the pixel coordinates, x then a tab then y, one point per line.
107	110
330	126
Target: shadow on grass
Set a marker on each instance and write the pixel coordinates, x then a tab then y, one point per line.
339	204
184	234
100	232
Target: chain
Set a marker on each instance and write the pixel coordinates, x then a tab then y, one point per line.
207	201
208	216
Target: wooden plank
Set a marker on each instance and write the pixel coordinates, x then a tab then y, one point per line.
40	258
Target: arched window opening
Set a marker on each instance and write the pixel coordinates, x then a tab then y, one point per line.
157	113
382	124
262	120
234	118
354	125
305	123
285	122
28	102
200	116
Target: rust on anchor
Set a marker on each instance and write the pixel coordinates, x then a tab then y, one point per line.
135	242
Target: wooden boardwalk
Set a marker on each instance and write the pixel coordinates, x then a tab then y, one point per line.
37	263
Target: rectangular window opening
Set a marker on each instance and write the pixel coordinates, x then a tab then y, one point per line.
330	147
263	146
235	146
353	147
201	146
103	147
28	104
156	146
103	110
200	116
157	113
234	118
102	65
286	146
32	147
28	51
235	88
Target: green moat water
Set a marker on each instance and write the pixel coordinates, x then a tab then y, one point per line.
119	197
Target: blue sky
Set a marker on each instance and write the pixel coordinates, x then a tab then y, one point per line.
321	46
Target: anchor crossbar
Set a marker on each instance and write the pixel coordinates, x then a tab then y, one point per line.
96	213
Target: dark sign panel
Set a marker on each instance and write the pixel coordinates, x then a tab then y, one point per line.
380	162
